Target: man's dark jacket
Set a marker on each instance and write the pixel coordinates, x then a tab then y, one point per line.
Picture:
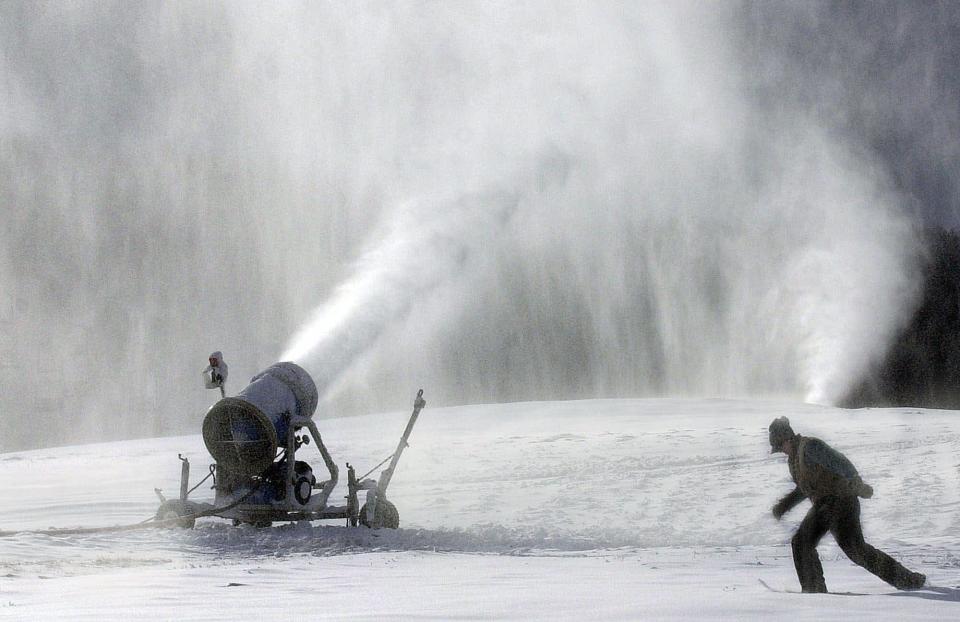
821	471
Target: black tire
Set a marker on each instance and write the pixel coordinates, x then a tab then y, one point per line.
385	515
176	509
302	490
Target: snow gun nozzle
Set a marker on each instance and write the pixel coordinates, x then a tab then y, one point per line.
419	402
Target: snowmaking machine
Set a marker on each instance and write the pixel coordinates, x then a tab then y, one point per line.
258	477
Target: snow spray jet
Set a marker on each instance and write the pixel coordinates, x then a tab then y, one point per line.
415	255
421	246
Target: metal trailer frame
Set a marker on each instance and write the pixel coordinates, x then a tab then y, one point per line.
231	504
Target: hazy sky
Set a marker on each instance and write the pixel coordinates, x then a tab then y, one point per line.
495	202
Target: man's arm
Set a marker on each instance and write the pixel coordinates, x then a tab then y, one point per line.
788	503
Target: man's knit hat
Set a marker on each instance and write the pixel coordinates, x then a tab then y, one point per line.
780	431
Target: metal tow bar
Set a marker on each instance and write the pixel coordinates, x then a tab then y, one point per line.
387	474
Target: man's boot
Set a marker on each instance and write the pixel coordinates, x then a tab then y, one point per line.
912	581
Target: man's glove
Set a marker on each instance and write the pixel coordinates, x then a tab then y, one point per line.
787	503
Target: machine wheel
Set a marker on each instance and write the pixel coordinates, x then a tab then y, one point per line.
174	508
302	490
385	515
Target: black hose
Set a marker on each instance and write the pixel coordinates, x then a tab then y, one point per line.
200	482
375	468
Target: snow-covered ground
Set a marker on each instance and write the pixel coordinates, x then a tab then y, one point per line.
609	509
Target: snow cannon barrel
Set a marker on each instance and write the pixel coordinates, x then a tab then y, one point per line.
242	432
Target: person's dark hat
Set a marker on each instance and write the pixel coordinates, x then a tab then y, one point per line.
780	431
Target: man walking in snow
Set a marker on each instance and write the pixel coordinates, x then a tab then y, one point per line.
831	482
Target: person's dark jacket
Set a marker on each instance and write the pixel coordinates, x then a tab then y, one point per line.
820	471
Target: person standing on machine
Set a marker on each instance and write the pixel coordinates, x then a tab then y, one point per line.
215	374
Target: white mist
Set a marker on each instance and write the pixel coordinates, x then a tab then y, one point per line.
598	208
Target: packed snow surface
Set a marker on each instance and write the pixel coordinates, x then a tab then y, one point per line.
609	509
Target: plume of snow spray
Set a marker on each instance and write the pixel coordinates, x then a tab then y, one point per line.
421	248
685	249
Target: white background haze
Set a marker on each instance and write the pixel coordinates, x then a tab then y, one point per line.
495	202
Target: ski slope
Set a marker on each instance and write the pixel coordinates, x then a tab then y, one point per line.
609	509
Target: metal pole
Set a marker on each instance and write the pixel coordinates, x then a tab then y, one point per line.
353	505
184	477
291	461
387	474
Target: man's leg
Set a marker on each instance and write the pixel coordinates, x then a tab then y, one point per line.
804	543
849	535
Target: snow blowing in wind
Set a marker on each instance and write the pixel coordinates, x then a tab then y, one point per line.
533	201
591	209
